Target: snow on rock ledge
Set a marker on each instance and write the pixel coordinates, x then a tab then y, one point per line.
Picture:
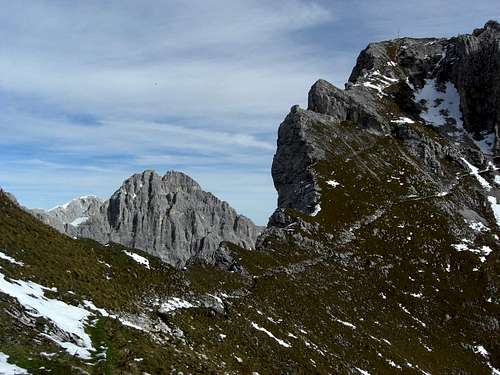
138	258
69	321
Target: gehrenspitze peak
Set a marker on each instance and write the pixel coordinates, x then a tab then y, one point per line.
168	216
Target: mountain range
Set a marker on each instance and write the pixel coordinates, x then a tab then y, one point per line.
383	254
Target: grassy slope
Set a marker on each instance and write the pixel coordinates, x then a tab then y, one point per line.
366	282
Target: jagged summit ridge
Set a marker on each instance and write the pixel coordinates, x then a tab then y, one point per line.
471	62
168	216
173	181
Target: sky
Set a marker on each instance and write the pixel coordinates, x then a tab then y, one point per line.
92	92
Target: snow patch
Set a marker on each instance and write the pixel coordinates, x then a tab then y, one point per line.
440	106
68	320
79	220
375	87
90	305
382	77
403	120
377	81
9	369
478	226
281	342
486	144
483	252
363	372
495	207
102	262
393	364
175	303
333	183
128	323
475	173
139	259
494	371
10	259
317	209
347	324
479	349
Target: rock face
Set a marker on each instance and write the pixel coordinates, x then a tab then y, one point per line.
170	217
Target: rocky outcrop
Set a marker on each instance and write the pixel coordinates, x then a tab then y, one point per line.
293	179
353	105
395	85
472	63
168	216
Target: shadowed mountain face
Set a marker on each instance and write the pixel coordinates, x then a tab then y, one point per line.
170	217
383	255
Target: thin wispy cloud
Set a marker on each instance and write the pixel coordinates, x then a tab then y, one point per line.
93	91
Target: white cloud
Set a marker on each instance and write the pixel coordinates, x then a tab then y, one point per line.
160	58
127	138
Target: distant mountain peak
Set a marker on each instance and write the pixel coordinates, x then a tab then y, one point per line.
168	216
82	200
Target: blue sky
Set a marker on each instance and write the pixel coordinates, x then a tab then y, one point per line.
94	91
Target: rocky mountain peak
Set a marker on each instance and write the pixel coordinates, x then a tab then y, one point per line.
168	216
68	216
449	85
